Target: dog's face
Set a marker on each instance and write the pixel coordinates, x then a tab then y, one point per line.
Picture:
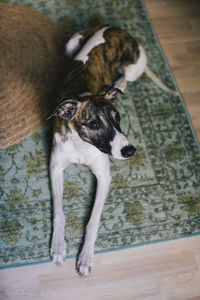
97	122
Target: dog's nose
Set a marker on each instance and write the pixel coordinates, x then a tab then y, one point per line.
128	151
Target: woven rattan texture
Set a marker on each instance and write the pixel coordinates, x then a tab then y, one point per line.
31	56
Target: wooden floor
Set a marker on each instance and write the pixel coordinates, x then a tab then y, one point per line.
162	271
169	270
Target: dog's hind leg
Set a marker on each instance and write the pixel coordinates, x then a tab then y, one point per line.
133	71
120	83
101	169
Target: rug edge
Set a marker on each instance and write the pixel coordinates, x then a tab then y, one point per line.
172	74
35	263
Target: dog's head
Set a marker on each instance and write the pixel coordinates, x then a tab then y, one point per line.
97	122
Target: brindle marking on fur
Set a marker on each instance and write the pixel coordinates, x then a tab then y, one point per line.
103	59
77	68
92	122
60	126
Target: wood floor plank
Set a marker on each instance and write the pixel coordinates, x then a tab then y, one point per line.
158	271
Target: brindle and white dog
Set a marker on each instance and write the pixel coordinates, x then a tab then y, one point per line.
87	125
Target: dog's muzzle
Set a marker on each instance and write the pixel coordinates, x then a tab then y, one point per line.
121	147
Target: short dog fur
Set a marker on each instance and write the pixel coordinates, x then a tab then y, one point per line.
87	125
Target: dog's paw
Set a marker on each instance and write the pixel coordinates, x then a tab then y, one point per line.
85	262
58	250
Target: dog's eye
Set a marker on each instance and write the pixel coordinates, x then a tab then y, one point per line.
93	125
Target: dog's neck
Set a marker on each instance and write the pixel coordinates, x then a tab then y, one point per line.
80	80
75	81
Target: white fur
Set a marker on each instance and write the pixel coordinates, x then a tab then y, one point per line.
75	150
95	40
73	45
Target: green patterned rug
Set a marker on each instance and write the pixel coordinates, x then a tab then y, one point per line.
154	196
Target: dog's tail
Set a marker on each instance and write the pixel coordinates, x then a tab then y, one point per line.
158	82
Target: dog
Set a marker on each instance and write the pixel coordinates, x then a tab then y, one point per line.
87	125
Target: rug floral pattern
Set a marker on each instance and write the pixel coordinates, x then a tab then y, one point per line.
154	196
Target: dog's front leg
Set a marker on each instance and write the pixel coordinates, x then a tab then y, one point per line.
58	244
101	169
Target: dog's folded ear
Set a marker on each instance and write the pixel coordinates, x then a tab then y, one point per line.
66	109
110	93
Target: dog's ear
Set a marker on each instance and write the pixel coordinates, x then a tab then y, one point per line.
66	109
110	92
